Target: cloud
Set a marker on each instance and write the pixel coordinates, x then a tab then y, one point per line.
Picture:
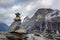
56	4
6	3
47	2
10	3
7	15
8	8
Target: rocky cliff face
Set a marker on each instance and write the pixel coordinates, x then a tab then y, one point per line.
47	14
43	17
42	12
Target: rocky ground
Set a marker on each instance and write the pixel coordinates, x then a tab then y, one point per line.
30	37
41	37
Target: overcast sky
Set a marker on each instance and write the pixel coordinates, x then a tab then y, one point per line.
8	8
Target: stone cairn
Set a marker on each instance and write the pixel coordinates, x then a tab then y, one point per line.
19	33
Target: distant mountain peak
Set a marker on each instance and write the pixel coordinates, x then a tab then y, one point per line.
3	27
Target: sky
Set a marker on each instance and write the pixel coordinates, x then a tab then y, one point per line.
8	8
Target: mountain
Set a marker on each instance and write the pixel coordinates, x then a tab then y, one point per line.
51	17
3	27
41	18
42	13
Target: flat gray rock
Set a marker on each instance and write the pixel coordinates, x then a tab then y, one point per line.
32	37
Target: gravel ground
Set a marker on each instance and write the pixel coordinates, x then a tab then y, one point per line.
32	37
